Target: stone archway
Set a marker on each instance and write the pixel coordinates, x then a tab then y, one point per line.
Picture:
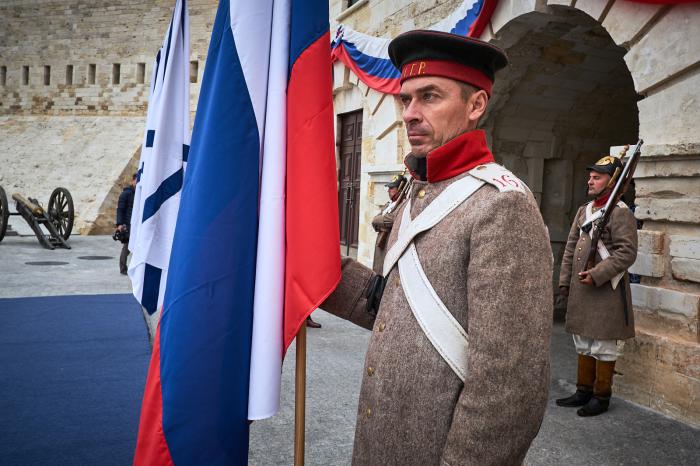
657	45
564	100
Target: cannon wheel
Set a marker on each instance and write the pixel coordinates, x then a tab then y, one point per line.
61	212
4	213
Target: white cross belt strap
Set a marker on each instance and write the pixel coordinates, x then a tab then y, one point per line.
438	324
602	250
446	202
456	193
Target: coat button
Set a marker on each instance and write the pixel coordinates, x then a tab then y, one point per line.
421	193
368	412
578	258
382	326
579	249
370	371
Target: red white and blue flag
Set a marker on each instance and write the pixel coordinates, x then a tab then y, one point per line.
255	249
368	56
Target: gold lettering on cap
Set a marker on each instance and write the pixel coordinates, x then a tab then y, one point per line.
421	67
410	73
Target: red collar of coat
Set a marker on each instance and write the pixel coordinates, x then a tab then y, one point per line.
600	202
457	156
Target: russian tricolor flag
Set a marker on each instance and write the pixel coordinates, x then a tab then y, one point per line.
256	243
368	56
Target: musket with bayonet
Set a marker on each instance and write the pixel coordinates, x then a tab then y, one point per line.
616	194
597	227
404	189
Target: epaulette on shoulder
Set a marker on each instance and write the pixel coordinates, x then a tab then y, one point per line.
500	177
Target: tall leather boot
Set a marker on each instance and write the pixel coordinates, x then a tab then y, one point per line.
602	390
312	323
585	377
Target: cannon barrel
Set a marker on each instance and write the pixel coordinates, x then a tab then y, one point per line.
33	208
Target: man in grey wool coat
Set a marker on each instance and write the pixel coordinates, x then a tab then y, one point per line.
457	368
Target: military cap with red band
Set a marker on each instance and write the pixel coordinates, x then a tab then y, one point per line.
433	53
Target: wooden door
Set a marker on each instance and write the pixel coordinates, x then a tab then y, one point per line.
349	192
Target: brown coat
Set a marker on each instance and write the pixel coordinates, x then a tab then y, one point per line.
382	224
490	262
599	311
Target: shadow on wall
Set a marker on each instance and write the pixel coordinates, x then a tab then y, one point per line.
106	215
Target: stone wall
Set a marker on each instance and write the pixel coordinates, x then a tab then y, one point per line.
584	75
88	156
74	84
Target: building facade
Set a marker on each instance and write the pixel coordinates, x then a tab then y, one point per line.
585	77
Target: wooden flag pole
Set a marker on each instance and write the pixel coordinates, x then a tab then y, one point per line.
300	398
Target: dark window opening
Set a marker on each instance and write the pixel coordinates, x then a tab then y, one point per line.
92	72
194	71
140	73
69	74
116	70
25	75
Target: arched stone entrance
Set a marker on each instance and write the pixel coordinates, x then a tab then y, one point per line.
656	43
564	100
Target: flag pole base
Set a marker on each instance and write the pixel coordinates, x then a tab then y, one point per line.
300	397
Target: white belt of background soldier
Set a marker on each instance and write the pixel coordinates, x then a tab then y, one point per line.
602	250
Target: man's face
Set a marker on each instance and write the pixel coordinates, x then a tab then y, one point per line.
393	192
434	112
597	183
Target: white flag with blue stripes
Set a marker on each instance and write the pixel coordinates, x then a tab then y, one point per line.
162	165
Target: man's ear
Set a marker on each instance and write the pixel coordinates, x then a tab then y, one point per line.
477	105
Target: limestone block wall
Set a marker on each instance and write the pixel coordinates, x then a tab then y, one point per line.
40	40
663	363
74	82
584	75
85	155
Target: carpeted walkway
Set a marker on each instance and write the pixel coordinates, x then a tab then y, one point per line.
72	371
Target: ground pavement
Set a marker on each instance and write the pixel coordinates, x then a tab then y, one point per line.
627	434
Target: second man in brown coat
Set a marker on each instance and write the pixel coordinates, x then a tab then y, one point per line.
599	310
384	220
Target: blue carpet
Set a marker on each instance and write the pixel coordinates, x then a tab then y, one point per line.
72	373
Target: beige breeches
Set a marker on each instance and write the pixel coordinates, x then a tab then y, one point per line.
603	350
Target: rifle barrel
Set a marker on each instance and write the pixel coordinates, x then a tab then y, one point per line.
623	176
617	192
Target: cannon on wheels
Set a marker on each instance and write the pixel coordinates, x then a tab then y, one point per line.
56	220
